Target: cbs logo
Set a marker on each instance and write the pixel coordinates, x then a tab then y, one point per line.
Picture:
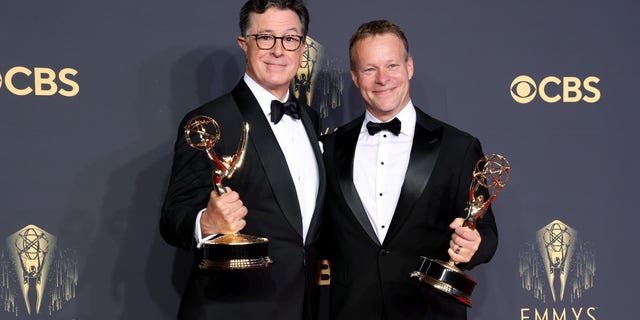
553	89
23	81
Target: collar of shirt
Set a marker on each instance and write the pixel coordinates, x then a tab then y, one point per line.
407	117
263	96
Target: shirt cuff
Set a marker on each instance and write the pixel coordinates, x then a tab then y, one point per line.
198	231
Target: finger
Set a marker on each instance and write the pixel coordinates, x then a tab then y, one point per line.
235	205
239	225
214	195
472	242
459	256
455	246
238	213
467	233
457	222
225	203
230	197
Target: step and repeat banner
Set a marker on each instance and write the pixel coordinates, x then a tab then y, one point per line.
91	94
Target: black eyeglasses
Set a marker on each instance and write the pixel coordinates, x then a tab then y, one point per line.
267	41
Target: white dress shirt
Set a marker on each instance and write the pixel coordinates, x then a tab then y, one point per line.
297	150
379	168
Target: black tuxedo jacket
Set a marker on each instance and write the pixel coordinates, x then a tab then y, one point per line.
369	279
284	290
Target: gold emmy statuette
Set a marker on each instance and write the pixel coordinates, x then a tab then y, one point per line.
491	172
229	251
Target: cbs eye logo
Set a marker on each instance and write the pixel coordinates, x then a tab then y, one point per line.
553	89
23	81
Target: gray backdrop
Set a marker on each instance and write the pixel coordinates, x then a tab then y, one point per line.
91	94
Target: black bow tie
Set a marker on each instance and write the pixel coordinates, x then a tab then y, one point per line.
279	109
392	126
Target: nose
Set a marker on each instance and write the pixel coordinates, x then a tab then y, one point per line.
278	48
382	77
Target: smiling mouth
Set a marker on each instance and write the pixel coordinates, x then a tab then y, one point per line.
277	64
383	92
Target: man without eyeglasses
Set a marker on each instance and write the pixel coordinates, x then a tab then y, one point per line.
397	187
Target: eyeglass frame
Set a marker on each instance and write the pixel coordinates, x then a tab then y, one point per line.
255	36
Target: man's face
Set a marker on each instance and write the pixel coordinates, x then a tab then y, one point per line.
274	68
382	74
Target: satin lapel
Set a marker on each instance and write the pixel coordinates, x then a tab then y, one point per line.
312	134
275	165
345	150
424	153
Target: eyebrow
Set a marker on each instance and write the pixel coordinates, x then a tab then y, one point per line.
295	30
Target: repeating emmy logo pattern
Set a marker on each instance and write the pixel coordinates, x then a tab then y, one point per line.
558	264
37	276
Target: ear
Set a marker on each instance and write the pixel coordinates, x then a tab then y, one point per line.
242	42
354	78
410	66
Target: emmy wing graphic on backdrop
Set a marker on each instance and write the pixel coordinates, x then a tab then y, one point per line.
37	272
305	78
229	251
491	172
556	262
319	83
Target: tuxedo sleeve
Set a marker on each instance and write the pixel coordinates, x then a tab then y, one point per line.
189	189
486	225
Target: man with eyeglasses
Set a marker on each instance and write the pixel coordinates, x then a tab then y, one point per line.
278	191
